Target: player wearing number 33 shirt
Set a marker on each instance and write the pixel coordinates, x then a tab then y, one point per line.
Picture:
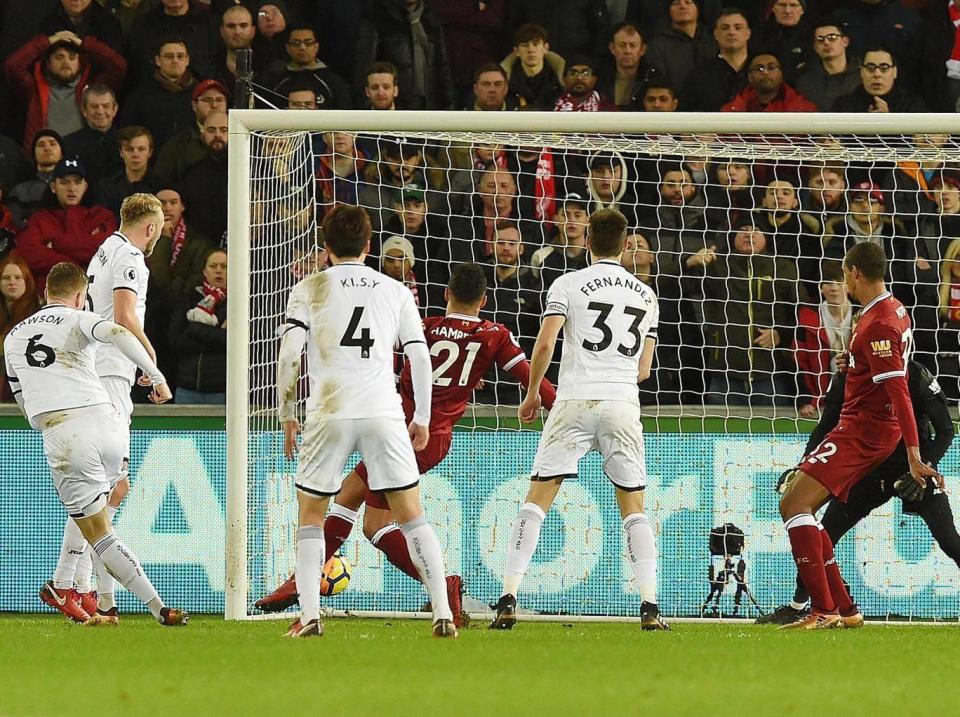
609	322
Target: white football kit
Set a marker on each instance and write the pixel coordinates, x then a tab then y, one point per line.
50	361
609	315
354	317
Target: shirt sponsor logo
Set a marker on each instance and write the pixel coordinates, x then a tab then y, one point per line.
881	348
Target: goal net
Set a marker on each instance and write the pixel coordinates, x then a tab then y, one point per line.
738	226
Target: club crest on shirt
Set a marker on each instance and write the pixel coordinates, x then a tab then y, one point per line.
881	348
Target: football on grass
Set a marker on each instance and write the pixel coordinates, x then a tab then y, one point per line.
336	576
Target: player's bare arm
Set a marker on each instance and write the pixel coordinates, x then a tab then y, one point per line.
135	349
288	373
646	359
539	362
125	314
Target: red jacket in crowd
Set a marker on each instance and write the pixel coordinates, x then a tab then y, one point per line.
25	73
788	100
55	235
813	353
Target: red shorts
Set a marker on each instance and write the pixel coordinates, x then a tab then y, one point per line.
845	456
437	448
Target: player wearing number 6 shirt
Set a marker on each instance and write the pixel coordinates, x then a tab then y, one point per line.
117	292
876	413
350	318
50	364
609	321
463	347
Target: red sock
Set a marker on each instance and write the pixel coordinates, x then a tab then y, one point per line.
838	590
807	547
394	546
335	532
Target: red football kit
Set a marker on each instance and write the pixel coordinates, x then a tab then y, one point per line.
876	403
462	350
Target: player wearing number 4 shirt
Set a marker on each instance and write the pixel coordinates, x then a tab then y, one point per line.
463	347
350	317
876	413
117	292
50	364
609	321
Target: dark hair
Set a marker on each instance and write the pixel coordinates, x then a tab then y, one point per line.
727	11
673	167
300	27
608	232
828	21
656	84
381	68
171	40
626	25
65	279
504	224
346	230
869	259
529	32
467	284
97	88
879	48
490	67
831	271
128	133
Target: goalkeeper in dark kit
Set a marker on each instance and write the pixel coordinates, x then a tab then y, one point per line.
890	479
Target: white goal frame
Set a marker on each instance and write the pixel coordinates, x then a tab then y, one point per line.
244	122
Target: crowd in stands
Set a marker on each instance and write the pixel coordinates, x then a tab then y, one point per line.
103	98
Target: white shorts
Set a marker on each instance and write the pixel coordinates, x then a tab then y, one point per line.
383	443
118	389
576	427
84	451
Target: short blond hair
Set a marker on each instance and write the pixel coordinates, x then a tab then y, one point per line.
140	206
65	280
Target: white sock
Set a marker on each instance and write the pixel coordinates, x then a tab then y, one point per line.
344	513
106	586
642	552
523	544
71	549
81	578
125	567
310	552
426	555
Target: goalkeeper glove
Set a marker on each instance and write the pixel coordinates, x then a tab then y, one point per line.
908	489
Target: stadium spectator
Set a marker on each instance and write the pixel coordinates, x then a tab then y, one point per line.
825	195
50	72
127	11
940	228
948	337
879	91
198	334
68	230
304	65
28	196
381	89
767	92
791	234
569	252
204	186
513	295
83	18
397	261
96	144
717	80
340	173
886	23
681	45
400	163
750	315
14	165
834	73
909	185
176	265
237	32
301	98
575	27
731	196
491	90
609	185
186	148
659	97
136	149
823	333
171	19
18	300
162	103
338	24
570	222
625	80
580	93
535	74
786	34
272	18
683	234
474	34
407	34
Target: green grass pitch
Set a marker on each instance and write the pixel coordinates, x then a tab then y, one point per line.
393	667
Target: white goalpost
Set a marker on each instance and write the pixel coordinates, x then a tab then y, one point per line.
714	449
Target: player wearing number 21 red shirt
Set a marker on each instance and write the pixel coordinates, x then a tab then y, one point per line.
876	413
463	348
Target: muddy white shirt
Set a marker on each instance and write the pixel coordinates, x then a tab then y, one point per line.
118	264
609	315
354	318
50	359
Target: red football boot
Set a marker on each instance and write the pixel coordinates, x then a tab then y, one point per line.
88	601
280	599
313	628
65	601
455	598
